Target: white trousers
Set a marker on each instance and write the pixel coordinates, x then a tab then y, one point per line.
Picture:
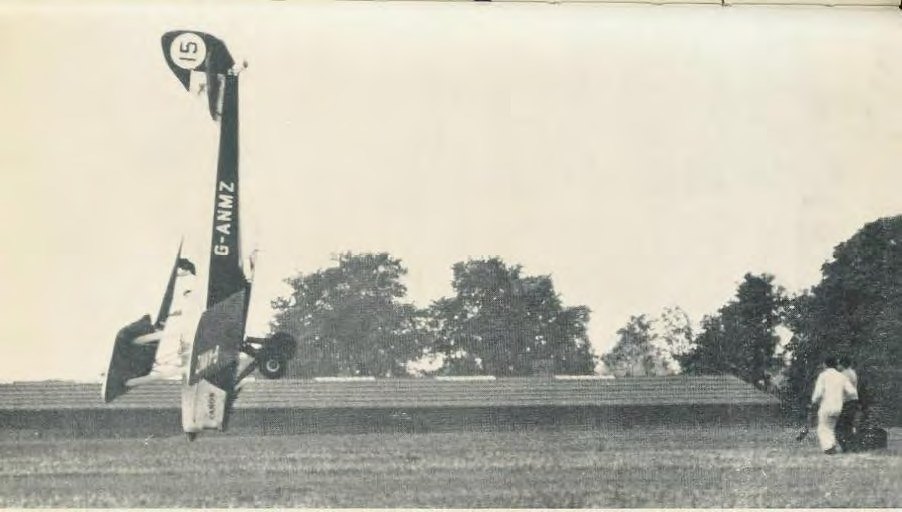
826	428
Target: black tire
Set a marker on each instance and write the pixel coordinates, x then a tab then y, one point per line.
272	365
191	436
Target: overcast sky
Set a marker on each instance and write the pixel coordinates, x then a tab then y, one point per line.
643	156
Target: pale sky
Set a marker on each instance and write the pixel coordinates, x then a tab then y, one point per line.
643	156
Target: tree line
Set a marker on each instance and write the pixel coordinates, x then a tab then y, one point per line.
354	319
855	310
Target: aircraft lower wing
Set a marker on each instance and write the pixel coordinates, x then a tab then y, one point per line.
129	360
136	345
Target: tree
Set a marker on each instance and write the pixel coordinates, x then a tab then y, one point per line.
637	352
651	346
741	339
855	310
674	330
349	319
502	323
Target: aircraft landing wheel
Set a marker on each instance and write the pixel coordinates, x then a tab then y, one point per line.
191	436
273	366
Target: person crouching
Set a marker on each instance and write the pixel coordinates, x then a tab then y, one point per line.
845	425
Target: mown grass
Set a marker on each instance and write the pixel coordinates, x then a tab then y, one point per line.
649	467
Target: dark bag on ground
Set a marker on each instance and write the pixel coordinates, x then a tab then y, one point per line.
868	435
872	438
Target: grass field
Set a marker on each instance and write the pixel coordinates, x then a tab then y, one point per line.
635	468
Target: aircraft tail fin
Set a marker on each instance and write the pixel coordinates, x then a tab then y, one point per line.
200	62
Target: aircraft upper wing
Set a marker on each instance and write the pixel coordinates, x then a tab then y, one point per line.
136	344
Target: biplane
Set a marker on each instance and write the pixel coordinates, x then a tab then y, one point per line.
208	324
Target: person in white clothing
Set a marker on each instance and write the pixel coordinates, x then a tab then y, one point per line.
830	391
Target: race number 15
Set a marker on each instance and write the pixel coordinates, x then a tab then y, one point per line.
188	50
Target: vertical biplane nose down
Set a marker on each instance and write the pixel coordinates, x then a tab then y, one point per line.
216	355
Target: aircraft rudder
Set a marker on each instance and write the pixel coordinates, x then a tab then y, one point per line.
188	51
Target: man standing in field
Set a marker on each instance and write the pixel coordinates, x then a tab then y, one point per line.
830	391
845	425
